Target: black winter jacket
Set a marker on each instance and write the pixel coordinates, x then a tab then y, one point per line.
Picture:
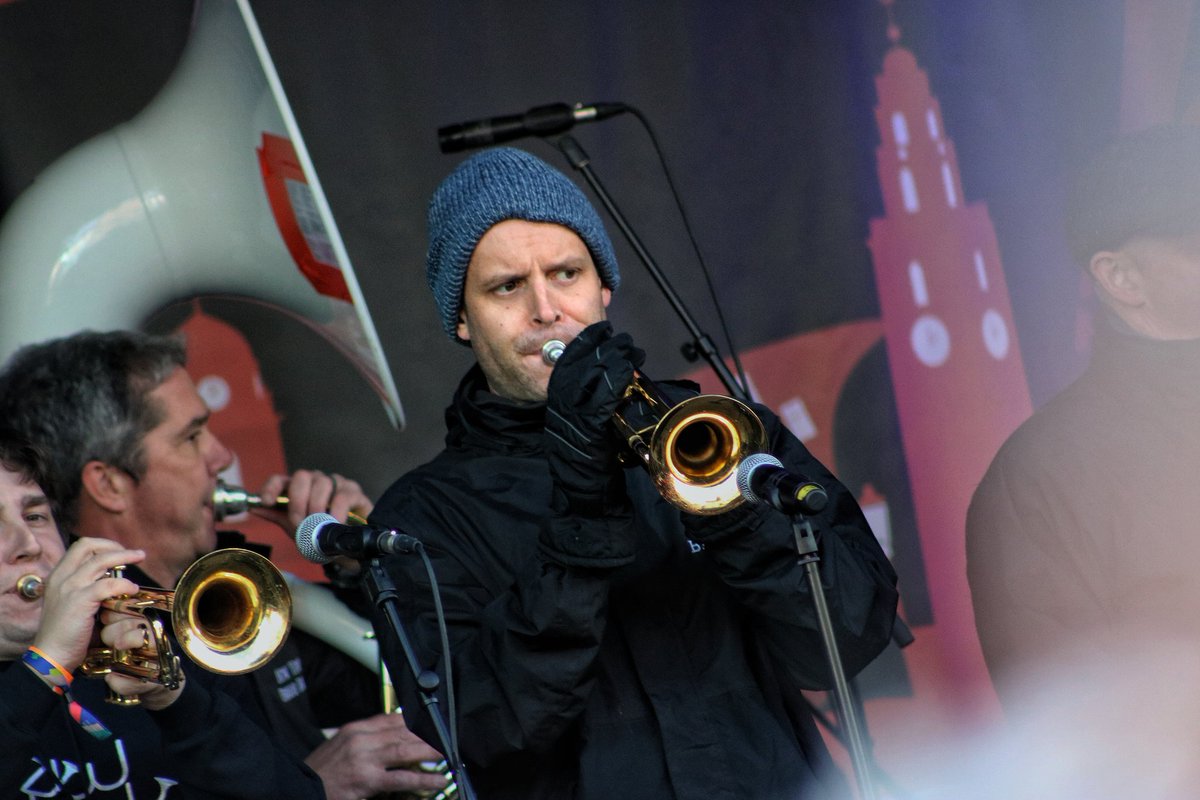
672	671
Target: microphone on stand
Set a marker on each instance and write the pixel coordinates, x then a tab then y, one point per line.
761	478
539	121
320	538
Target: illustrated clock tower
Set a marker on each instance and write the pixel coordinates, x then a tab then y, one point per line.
957	373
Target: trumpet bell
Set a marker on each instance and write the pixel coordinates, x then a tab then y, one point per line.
231	611
696	448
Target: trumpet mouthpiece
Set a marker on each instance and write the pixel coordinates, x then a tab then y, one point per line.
30	587
552	351
230	500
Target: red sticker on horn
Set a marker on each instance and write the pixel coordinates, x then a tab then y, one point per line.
296	216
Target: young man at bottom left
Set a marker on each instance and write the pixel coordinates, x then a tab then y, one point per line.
61	739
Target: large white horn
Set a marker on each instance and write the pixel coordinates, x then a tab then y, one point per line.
208	191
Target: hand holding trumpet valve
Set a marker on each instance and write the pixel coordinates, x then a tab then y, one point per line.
74	593
287	500
135	634
81	589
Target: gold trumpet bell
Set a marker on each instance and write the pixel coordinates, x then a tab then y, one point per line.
696	448
231	611
691	449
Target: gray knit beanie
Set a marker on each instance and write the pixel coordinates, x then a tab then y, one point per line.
490	187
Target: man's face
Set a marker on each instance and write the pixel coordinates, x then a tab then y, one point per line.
172	503
1168	275
527	283
29	543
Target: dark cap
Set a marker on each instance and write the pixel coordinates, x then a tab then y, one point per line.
1144	184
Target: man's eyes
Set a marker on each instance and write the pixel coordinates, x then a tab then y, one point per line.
561	275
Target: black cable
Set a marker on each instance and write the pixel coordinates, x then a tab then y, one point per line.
687	226
444	636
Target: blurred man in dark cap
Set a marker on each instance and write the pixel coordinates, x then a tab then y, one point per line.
1082	536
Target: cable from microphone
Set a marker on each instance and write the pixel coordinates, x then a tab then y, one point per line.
761	478
321	538
545	120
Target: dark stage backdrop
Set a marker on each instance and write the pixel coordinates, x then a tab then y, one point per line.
813	142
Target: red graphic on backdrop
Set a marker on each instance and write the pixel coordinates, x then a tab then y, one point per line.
954	379
243	417
957	373
296	216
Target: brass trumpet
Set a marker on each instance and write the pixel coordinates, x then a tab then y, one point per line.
230	611
691	449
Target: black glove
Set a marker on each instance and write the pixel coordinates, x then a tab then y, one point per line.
585	390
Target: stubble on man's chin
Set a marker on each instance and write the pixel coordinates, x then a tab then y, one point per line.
15	638
521	392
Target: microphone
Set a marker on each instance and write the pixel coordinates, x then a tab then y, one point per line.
539	121
320	537
761	478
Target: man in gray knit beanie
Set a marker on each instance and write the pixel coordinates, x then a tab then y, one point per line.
517	256
602	643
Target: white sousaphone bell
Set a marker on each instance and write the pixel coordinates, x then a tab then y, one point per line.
209	191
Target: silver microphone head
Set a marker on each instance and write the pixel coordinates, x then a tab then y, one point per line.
306	537
552	350
746	469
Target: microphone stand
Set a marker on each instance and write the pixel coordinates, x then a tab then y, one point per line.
806	549
701	342
381	592
805	542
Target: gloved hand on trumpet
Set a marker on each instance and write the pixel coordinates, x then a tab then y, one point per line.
600	408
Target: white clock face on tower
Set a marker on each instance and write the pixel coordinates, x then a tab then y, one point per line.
215	392
995	334
930	340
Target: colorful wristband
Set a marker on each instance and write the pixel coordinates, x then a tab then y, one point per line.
59	680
